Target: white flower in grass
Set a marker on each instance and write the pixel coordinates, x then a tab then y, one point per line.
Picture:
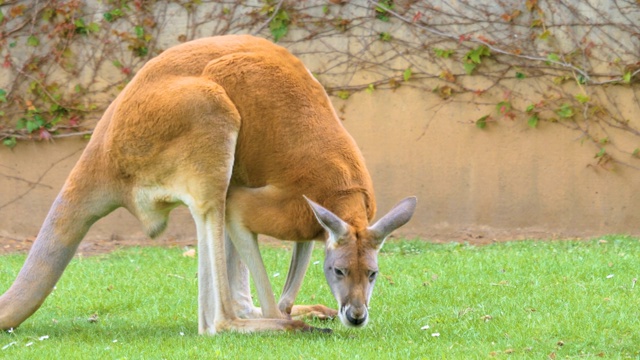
8	345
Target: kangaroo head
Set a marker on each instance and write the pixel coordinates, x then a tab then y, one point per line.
351	257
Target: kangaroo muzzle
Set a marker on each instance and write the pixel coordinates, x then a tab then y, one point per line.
354	316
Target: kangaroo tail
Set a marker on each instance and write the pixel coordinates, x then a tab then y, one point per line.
76	208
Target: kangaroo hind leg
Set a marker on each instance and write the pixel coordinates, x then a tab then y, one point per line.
201	181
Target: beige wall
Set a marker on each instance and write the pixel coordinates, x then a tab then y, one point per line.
507	181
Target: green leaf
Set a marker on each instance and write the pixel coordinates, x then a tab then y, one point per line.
482	122
520	75
54	122
370	88
601	153
530	108
21	124
533	121
443	53
636	153
382	8
469	67
553	57
626	78
278	33
1	16
39	120
545	35
47	14
93	27
565	111
582	79
141	51
406	75
32	126
476	54
113	15
139	31
279	25
474	57
33	41
3	95
582	98
343	94
385	36
9	142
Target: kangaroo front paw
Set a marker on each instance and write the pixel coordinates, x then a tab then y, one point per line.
320	312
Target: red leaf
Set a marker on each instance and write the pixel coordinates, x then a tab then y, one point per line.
17	11
74	120
44	134
486	40
417	17
462	38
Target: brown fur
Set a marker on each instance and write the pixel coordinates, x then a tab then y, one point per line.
235	128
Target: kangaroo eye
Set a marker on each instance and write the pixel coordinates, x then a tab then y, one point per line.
372	276
338	272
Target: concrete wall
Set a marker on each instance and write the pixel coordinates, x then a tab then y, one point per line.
508	181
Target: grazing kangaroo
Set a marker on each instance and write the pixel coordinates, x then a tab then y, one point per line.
238	130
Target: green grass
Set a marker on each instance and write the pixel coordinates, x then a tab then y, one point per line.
529	299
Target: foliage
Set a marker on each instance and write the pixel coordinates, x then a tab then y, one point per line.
279	23
530	299
473	58
60	56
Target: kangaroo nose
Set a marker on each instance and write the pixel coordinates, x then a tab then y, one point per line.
357	316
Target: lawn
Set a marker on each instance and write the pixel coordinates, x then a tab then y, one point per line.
526	299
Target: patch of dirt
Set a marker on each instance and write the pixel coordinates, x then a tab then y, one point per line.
92	247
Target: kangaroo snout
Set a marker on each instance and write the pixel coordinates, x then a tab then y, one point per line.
354	316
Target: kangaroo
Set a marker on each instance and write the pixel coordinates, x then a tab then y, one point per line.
238	130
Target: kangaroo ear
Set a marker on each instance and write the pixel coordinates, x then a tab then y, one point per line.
335	226
398	216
